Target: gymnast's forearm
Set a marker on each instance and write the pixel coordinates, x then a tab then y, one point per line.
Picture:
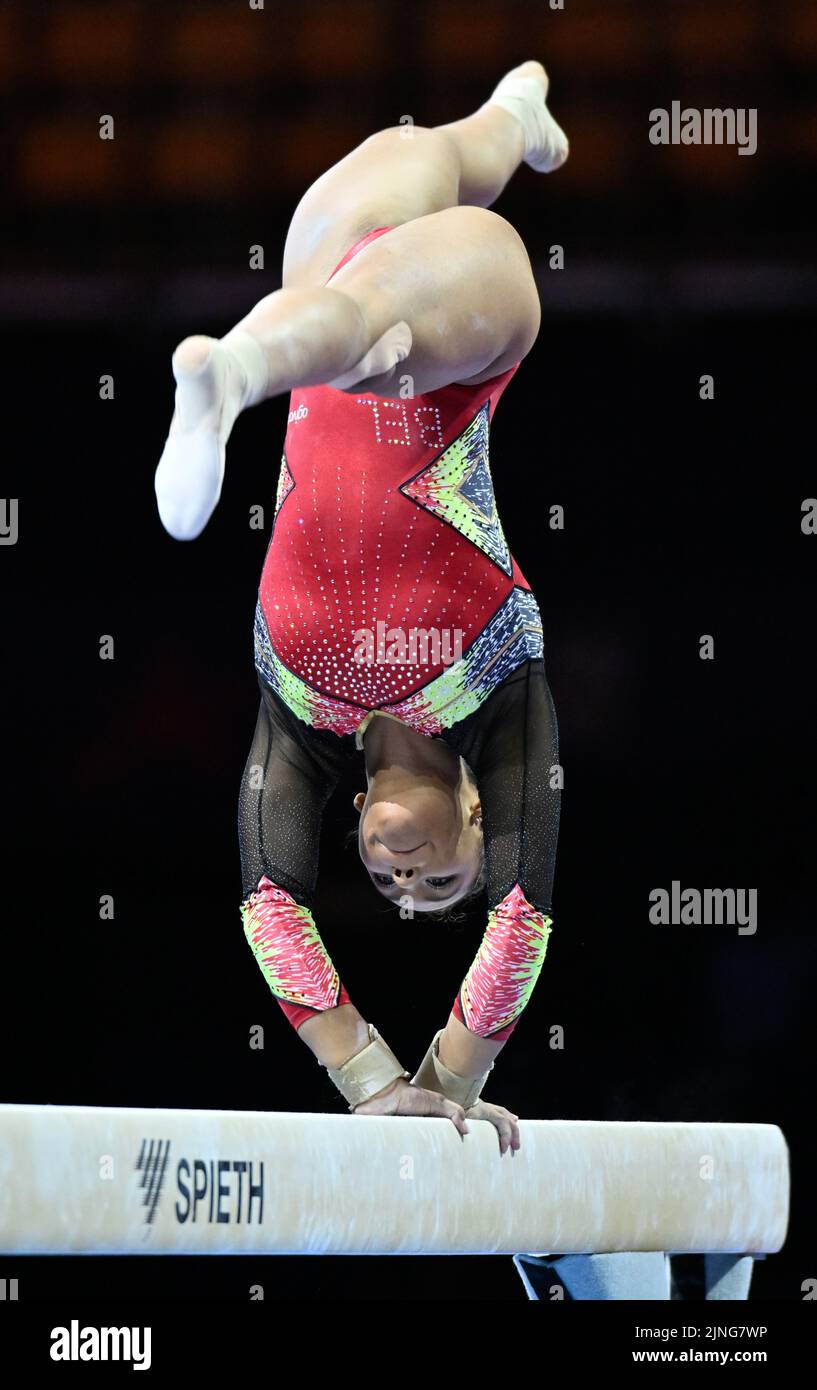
339	1036
464	1052
492	996
335	1035
296	965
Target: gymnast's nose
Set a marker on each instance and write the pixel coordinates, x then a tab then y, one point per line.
404	876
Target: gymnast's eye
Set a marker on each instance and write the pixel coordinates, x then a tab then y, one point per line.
385	879
440	882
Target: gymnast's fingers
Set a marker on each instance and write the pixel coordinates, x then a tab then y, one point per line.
513	1121
503	1128
416	1100
503	1121
455	1114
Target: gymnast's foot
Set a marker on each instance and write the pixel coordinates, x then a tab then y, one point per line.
215	380
523	93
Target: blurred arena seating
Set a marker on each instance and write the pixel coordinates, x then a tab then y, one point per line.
224	113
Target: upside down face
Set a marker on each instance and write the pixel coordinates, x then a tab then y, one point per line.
422	839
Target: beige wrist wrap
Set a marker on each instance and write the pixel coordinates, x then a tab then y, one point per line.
433	1076
368	1071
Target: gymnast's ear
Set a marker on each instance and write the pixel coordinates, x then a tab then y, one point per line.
358	801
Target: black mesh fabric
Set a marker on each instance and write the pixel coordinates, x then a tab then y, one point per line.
289	777
510	743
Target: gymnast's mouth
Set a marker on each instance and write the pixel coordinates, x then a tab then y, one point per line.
401	851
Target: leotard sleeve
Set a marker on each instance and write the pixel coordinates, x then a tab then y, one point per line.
511	745
290	774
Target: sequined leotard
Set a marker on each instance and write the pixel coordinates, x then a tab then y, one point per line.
388	585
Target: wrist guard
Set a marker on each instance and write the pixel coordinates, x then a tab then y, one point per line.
368	1071
433	1076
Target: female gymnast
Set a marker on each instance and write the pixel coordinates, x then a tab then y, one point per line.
392	618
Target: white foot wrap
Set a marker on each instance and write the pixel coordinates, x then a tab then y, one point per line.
546	145
394	346
191	470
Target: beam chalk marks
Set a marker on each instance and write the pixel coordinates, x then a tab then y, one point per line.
79	1180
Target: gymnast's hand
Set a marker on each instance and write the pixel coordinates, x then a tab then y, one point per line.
504	1121
401	1098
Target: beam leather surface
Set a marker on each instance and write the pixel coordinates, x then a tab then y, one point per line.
77	1179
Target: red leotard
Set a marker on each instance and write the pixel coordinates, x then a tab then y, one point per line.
388	561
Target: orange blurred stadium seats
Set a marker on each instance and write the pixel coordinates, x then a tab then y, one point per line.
222	44
64	159
733	39
337	39
603	149
9	45
794	32
83	42
456	36
203	158
597	39
303	149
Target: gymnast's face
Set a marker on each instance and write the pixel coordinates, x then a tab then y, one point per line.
422	838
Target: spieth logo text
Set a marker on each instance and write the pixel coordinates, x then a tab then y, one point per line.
218	1190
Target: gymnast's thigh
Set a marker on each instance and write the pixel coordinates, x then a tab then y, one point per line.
462	281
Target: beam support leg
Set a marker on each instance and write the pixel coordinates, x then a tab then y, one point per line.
727	1276
642	1276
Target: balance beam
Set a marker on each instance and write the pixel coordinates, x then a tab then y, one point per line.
82	1180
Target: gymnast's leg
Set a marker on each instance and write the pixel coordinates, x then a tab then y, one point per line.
448	294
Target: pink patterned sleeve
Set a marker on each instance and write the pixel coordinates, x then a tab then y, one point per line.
505	969
293	959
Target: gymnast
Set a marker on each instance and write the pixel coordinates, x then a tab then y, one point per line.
392	618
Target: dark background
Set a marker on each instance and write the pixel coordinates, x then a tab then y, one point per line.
682	518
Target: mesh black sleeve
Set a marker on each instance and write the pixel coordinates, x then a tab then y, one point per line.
511	745
289	777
